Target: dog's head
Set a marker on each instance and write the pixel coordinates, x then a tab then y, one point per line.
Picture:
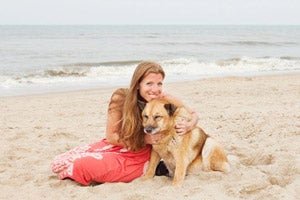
157	116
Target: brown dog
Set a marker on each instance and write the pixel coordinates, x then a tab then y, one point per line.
185	154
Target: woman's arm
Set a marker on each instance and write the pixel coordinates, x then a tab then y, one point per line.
113	127
152	138
114	118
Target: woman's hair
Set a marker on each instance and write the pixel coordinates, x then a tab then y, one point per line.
132	130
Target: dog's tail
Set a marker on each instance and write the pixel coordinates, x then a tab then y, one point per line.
225	167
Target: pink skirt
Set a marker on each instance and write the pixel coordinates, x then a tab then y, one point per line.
101	162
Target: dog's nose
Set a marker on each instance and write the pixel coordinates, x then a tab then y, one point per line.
148	129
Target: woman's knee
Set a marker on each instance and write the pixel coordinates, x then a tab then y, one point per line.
81	171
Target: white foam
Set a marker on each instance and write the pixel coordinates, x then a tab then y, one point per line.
83	77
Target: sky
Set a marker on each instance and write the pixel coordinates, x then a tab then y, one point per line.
59	12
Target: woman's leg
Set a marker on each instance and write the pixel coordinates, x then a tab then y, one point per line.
100	162
63	161
111	168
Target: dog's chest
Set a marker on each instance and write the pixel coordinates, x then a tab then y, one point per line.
169	146
168	151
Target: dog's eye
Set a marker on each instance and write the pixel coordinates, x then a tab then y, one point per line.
157	117
145	117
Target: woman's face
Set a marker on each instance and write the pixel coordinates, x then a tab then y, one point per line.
151	86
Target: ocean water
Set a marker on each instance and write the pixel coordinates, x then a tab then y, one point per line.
40	59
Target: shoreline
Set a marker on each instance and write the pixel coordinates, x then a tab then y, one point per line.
256	118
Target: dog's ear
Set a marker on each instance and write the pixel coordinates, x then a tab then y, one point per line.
171	108
141	105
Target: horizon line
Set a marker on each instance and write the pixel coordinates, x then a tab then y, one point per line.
149	24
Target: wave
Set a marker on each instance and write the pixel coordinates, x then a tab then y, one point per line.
81	69
117	71
229	43
289	58
110	63
64	73
246	65
260	43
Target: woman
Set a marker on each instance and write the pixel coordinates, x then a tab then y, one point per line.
121	156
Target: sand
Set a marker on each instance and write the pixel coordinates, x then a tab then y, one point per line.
257	119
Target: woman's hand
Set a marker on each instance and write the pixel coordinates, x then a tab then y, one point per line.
153	138
183	127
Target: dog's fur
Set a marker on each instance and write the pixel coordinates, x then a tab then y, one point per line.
184	154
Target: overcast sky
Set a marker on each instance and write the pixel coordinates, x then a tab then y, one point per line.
150	12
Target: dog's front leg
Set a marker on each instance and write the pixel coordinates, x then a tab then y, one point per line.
180	170
154	160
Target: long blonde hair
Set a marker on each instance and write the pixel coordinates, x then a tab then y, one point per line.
132	130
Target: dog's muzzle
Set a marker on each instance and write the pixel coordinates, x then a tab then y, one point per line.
151	130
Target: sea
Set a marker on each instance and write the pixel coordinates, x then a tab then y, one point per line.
47	58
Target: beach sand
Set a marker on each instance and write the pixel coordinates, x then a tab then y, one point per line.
257	119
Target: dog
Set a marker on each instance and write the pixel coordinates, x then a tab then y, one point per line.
182	154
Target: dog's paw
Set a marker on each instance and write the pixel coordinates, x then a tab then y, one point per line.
177	183
147	177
